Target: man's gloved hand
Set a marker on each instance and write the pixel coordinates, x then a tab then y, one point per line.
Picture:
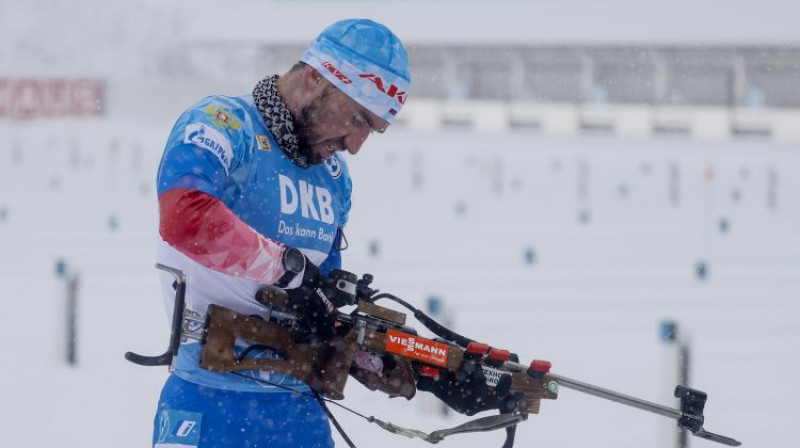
315	298
310	301
466	391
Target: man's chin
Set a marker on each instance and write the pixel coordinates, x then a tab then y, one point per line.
317	158
310	155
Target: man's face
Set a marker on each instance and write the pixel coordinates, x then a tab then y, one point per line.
334	122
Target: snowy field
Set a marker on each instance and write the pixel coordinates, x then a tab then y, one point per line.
571	250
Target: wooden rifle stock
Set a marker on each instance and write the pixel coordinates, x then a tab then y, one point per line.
326	366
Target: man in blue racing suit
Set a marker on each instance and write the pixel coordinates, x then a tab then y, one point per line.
246	185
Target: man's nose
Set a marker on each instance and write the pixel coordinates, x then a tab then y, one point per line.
354	140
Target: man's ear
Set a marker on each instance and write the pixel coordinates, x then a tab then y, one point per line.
311	78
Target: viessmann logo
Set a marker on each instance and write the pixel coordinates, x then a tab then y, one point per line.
416	347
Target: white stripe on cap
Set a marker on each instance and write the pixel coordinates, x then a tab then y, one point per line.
380	91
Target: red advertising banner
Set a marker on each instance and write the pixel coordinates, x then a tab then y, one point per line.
40	98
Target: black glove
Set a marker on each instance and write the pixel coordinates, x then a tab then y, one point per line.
466	391
317	297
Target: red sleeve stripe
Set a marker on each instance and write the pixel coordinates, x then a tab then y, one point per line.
204	229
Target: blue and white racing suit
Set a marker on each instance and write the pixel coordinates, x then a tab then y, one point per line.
230	202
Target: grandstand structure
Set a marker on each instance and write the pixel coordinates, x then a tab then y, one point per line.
710	70
732	77
705	91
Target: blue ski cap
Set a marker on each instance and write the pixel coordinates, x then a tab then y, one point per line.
366	61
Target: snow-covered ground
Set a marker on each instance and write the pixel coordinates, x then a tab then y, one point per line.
616	230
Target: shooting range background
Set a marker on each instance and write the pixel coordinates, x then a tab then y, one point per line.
572	249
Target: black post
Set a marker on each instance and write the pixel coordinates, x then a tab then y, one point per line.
70	311
72	320
685	364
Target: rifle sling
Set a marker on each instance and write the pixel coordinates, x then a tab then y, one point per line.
481	424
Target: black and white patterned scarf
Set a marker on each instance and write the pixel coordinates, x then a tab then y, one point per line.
278	119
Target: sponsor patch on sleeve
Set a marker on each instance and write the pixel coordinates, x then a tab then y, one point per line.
207	137
223	118
263	143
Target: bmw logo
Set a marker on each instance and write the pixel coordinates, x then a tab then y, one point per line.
334	166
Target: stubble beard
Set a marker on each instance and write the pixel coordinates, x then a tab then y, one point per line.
304	125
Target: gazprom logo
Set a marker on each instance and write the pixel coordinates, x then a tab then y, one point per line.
211	139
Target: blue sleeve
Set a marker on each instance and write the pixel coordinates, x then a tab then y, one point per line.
205	145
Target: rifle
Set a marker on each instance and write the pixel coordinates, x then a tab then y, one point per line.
370	328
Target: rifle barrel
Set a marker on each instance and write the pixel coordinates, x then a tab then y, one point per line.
615	396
